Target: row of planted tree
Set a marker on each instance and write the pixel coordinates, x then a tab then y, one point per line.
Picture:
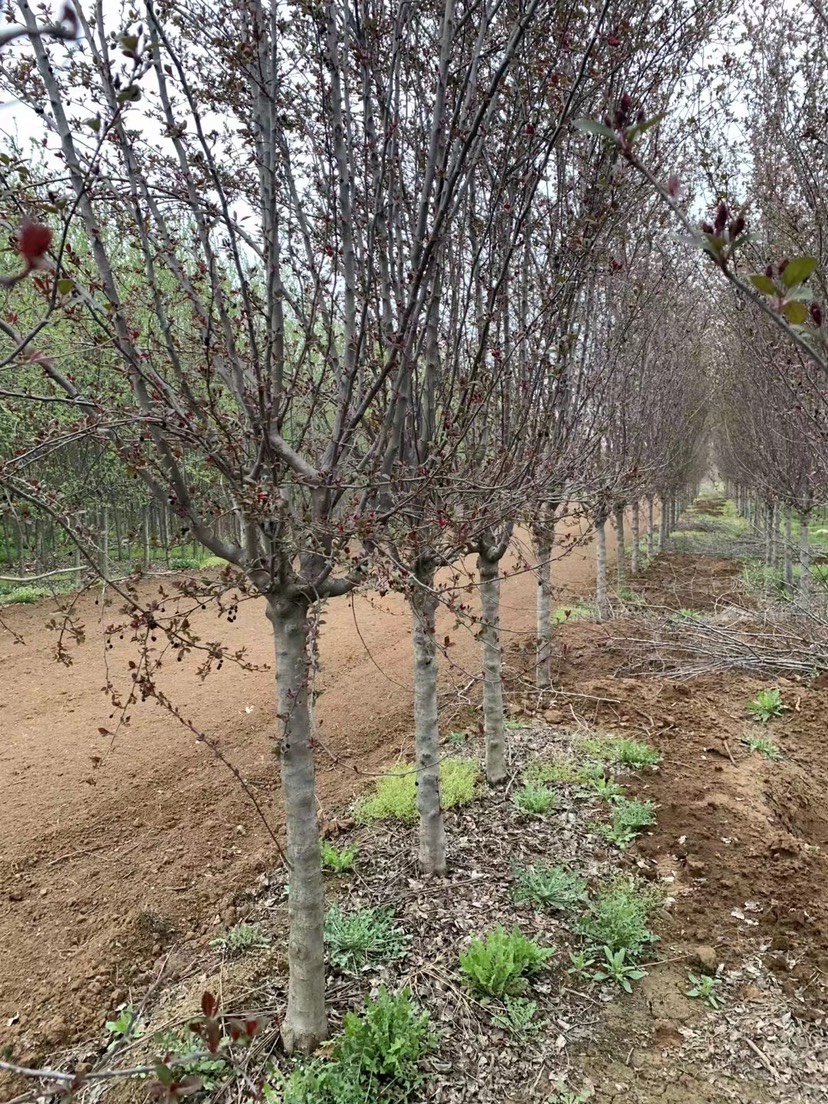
342	292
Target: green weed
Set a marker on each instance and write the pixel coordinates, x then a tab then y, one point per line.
580	611
518	1017
535	800
765	746
338	861
364	937
499	964
241	939
515	726
580	962
623	751
552	887
617	969
766	705
703	987
607	789
395	796
376	1060
619	916
628	820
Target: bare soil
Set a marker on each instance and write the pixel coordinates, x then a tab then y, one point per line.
115	851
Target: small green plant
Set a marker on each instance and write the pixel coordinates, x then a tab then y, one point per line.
580	962
456	739
618	918
632	597
123	1025
552	887
562	768
563	1095
515	726
23	595
623	751
628	820
376	1060
766	705
703	987
607	789
685	614
364	937
185	563
580	611
518	1017
241	939
617	969
765	746
339	861
499	964
394	797
211	1072
535	800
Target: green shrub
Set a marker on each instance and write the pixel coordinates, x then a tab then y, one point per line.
766	705
499	964
395	796
553	887
518	1017
23	595
624	751
376	1060
364	937
185	563
618	918
536	800
607	789
628	819
338	861
616	968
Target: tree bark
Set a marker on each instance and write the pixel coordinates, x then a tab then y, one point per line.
635	529
650	528
601	593
305	1024
423	601
789	550
804	561
621	555
493	720
663	523
543	572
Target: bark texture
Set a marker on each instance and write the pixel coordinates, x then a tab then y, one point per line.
305	1024
601	592
432	845
650	527
804	560
543	573
493	721
621	554
635	531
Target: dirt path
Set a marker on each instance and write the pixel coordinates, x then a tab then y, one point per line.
102	868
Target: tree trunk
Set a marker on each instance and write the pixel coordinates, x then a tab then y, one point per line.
305	1024
650	528
804	561
146	538
423	600
768	534
543	573
601	594
493	720
789	550
636	537
663	522
621	555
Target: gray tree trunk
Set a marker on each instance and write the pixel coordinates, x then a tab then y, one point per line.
663	524
650	528
493	720
789	550
601	592
305	1024
804	561
423	600
543	573
621	555
635	530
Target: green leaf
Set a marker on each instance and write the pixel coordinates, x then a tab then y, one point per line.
646	125
66	286
592	126
798	270
795	312
130	94
94	124
764	283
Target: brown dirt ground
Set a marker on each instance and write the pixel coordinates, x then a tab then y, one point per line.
104	868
